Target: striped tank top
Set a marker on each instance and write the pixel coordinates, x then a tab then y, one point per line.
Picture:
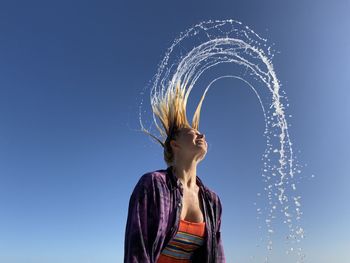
188	238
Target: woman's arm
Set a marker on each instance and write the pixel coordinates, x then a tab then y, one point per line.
139	241
220	256
136	242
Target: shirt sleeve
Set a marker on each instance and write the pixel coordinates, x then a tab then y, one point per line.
220	248
139	237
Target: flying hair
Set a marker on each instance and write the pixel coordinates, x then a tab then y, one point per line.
170	108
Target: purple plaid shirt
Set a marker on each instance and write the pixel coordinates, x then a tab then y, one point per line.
154	217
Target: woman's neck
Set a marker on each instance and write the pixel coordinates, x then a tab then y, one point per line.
186	174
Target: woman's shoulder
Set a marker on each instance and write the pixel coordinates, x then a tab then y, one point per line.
152	176
213	196
150	180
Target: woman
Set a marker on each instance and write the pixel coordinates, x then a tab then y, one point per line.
172	215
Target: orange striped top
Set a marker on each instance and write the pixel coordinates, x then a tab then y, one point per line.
188	238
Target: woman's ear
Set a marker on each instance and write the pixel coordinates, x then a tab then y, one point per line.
174	144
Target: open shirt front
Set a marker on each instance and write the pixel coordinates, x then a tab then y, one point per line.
154	216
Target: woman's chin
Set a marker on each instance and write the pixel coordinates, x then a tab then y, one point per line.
203	150
200	144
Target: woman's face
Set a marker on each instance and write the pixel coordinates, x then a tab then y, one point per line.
190	143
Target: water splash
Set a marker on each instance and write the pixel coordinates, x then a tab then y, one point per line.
209	44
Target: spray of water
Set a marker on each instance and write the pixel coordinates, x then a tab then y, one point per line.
209	44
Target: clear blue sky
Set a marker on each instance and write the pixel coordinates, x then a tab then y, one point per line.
70	77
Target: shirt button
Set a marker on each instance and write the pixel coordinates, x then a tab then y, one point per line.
179	204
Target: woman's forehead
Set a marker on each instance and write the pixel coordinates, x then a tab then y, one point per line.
186	129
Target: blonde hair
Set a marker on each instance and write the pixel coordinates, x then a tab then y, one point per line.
170	108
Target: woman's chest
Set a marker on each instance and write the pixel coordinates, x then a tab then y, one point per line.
192	209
